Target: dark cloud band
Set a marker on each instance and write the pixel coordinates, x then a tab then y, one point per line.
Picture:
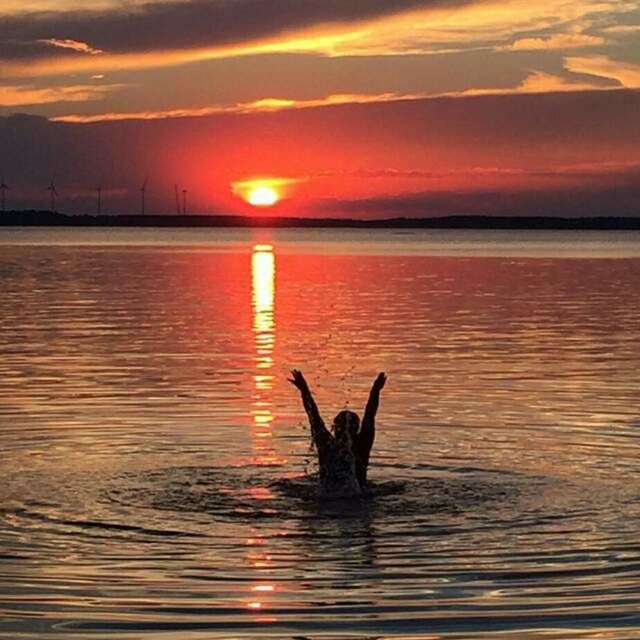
600	199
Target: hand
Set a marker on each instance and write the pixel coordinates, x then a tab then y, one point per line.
298	380
380	381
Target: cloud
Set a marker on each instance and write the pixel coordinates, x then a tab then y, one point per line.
30	6
626	73
623	29
162	34
539	82
554	42
74	45
156	34
593	170
262	105
116	116
490	24
535	82
598	200
27	95
277	104
188	25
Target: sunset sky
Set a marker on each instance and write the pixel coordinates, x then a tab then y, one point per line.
356	108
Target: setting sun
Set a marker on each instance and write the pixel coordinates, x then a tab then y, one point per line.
263	196
265	191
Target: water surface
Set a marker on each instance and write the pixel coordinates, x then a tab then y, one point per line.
155	471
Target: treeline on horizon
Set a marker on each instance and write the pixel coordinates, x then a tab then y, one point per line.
50	219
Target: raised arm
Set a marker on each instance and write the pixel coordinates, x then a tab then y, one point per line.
318	430
368	428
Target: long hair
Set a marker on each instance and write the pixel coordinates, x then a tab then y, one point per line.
345	426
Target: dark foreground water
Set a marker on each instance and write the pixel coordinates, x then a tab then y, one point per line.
154	460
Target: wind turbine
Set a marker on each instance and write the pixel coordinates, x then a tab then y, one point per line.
52	191
175	188
184	202
3	193
99	198
143	191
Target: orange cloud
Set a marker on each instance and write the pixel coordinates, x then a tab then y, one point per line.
105	62
535	82
626	73
10	7
21	95
262	105
539	82
74	45
431	30
623	29
479	26
556	41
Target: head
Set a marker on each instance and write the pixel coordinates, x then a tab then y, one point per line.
345	426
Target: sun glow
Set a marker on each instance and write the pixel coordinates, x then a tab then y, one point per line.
263	196
265	191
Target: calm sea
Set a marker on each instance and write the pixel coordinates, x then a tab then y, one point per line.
155	470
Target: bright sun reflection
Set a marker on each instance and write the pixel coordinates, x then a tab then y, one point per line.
263	268
263	273
263	282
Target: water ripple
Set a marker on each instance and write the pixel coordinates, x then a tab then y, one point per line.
157	479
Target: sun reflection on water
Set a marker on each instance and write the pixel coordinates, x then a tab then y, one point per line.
263	275
137	442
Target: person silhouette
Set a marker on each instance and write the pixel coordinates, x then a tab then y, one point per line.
343	452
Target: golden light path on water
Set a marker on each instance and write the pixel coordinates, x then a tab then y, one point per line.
263	274
263	295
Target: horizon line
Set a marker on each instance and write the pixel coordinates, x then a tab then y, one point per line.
43	218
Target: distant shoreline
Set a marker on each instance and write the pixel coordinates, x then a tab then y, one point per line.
49	219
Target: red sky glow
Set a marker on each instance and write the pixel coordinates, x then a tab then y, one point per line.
358	109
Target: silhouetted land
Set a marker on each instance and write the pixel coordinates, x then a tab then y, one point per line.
49	219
